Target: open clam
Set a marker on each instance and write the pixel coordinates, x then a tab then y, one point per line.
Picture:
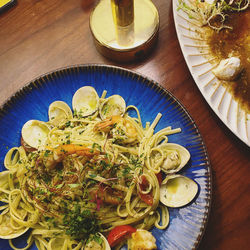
114	105
177	191
85	101
35	133
175	157
7	231
92	244
59	112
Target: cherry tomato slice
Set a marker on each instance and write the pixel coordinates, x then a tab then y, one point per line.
159	177
147	198
144	183
119	233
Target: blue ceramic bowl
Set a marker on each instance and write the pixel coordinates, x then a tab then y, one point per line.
187	224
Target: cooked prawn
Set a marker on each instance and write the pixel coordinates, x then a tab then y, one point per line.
121	128
53	156
107	194
107	124
69	149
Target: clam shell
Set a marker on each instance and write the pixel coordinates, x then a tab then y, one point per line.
177	191
176	157
85	101
6	232
35	133
59	112
114	105
105	244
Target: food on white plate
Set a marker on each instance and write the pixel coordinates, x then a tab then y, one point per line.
86	175
228	69
222	35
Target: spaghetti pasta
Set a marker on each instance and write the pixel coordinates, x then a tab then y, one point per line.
90	176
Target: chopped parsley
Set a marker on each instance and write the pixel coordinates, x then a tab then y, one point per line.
47	152
80	224
96	237
67	124
96	145
105	109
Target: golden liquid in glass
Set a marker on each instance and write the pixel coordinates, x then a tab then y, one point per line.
123	12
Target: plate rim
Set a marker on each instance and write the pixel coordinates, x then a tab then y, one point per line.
27	86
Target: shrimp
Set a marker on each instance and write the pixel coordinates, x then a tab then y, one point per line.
51	157
142	239
107	124
69	149
121	129
111	196
107	194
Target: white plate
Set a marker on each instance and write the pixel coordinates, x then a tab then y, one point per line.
216	95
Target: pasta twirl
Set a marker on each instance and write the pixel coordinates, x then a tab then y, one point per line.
87	175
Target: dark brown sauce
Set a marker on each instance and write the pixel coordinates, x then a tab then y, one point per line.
235	42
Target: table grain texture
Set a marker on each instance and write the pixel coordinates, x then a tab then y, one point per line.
39	36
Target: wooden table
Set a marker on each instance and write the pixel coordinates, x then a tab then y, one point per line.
40	36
